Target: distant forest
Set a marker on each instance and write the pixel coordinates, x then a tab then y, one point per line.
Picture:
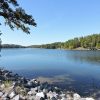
87	42
11	46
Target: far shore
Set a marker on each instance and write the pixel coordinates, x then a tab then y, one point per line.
80	48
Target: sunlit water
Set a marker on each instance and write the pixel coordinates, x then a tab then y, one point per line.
71	70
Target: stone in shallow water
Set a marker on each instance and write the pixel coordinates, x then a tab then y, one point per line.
45	91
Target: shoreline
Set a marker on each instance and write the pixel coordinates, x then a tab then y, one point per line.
15	87
76	49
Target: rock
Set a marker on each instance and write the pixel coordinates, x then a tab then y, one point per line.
62	95
22	97
2	86
29	83
40	94
76	96
31	98
53	98
4	95
89	99
37	98
12	94
4	98
69	97
29	93
42	98
33	80
17	97
34	89
55	94
52	94
49	95
45	91
64	98
14	83
1	94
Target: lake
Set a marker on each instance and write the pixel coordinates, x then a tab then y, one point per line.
72	70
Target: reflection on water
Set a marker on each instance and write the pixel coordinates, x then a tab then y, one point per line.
88	56
71	70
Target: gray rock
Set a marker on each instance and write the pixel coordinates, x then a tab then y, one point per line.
17	97
42	98
12	94
76	96
88	98
53	98
45	91
64	98
2	86
1	94
4	95
40	94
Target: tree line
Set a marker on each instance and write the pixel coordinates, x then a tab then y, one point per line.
89	42
11	46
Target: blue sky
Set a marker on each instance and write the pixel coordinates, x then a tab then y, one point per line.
57	20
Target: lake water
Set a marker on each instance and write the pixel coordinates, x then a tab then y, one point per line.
72	70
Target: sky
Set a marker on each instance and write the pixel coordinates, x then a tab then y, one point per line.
57	21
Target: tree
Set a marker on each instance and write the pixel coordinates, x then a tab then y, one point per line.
15	16
98	45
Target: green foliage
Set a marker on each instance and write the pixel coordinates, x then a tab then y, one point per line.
90	42
15	16
49	46
98	45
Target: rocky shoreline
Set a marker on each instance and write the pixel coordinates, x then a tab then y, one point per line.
15	87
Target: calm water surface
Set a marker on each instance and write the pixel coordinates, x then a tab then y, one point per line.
73	70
